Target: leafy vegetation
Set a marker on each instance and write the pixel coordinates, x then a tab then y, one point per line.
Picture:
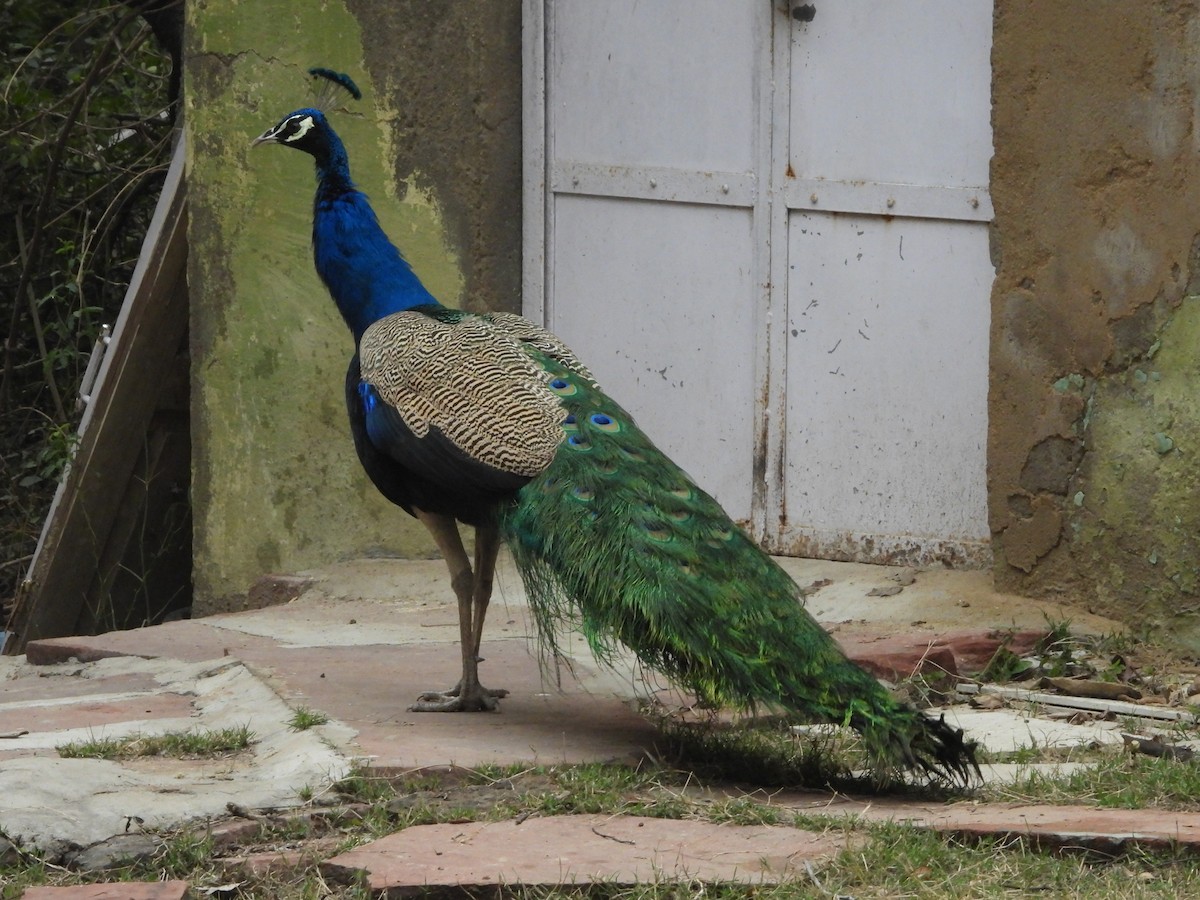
85	129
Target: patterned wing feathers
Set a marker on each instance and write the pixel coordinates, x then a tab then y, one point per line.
473	381
541	340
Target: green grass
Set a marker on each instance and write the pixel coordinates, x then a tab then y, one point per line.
598	788
1115	781
362	787
303	719
745	811
899	861
179	745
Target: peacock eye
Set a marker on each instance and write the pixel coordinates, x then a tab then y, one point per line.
299	127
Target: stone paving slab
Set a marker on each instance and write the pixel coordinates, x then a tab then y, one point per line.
89	713
920	651
368	688
60	805
623	850
368	636
126	890
587	849
1010	730
372	635
1109	831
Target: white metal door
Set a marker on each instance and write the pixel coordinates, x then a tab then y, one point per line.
768	239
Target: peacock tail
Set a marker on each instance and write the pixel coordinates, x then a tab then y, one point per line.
616	536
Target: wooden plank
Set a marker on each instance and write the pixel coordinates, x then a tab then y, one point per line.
145	341
147	559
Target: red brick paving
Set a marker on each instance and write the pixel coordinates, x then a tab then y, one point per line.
129	890
587	849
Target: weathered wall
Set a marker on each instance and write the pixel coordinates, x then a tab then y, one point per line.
436	143
1094	454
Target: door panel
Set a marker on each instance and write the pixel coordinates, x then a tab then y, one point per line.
641	314
886	366
654	83
895	92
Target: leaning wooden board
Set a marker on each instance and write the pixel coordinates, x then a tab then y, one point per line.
78	551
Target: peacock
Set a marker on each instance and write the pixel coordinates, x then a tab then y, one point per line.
491	420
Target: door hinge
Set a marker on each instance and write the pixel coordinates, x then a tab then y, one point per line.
93	368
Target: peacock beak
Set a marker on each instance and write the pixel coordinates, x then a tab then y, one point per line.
267	137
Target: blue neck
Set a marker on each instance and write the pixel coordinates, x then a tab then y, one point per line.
363	270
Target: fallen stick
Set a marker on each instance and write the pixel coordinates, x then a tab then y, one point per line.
1118	707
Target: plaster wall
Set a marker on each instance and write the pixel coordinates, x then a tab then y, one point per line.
1094	445
435	142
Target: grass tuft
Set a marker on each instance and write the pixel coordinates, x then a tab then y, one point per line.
177	745
303	719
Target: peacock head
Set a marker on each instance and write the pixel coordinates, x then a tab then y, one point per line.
305	129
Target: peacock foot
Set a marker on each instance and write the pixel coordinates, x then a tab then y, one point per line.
478	699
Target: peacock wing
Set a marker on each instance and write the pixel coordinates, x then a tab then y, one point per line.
542	345
458	400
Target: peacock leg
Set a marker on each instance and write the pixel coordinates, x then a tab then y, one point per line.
468	695
487	547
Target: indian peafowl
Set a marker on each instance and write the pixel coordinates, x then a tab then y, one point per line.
490	420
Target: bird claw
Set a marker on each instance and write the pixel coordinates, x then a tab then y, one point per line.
455	700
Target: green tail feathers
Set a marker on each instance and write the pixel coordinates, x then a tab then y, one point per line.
617	536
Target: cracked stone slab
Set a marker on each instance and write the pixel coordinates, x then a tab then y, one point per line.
59	805
557	850
1010	730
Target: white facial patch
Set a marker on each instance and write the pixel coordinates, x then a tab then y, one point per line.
304	125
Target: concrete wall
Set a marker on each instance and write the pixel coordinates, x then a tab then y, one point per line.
435	142
1094	452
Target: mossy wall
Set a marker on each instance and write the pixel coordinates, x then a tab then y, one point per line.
1094	450
435	142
